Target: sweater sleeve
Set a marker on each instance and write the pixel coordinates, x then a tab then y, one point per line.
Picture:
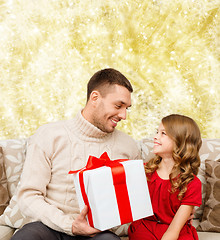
32	193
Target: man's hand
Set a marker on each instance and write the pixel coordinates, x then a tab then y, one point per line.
81	227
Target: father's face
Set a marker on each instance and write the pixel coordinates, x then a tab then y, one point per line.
111	108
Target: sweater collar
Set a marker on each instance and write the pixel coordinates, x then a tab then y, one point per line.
86	130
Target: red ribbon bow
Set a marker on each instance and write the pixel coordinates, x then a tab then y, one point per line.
119	182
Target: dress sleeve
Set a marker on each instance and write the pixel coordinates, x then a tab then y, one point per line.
193	195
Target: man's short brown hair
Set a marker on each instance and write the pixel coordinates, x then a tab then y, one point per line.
108	76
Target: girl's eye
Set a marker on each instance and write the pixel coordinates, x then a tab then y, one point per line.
163	133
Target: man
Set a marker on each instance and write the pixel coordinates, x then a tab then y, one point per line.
47	193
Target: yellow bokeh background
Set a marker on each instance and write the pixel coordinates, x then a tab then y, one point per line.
169	50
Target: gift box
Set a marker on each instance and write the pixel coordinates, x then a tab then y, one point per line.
116	192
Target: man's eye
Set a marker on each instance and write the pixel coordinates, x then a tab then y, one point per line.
118	106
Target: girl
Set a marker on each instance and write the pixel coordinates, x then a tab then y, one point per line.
173	185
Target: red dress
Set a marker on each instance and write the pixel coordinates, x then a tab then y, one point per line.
165	206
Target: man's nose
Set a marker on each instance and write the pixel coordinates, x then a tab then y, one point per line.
123	114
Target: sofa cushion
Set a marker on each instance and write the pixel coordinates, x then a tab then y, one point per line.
211	214
146	146
14	151
6	232
12	215
14	155
210	150
205	235
4	196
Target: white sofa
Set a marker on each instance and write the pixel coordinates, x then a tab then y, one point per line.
12	156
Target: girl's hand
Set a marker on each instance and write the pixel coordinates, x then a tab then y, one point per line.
192	216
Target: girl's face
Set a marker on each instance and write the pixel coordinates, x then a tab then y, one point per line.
163	145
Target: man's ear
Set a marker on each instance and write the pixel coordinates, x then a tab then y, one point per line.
94	97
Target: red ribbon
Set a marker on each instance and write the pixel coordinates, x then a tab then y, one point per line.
119	182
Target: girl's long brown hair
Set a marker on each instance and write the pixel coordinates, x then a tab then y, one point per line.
187	141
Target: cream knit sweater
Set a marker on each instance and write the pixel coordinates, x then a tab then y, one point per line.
47	191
